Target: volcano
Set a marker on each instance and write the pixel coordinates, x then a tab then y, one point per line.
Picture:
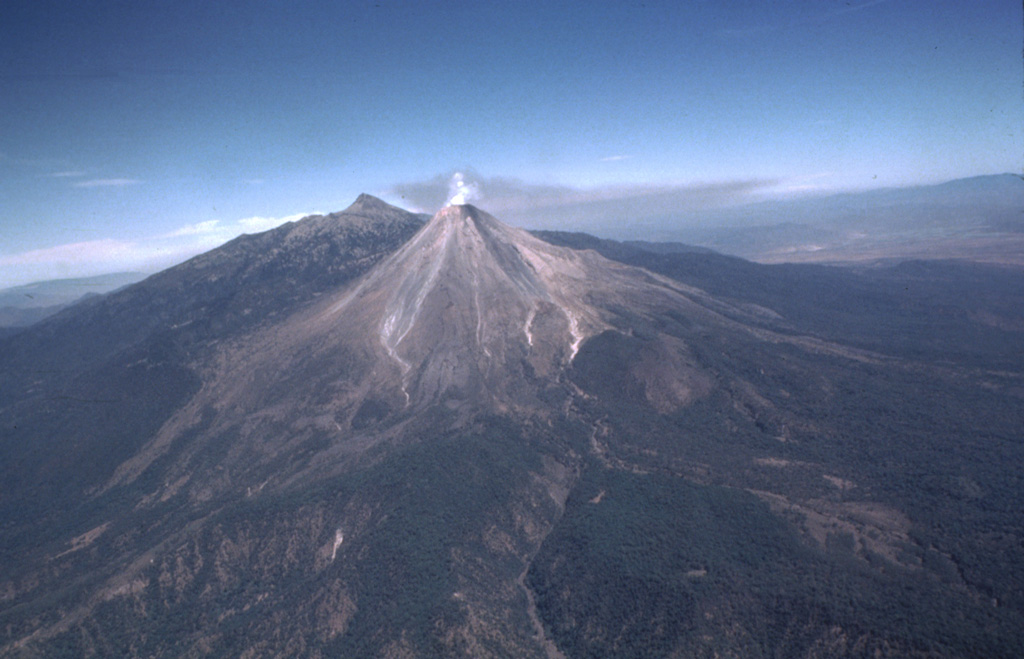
470	314
379	434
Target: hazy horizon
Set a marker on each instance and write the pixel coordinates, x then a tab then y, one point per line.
139	135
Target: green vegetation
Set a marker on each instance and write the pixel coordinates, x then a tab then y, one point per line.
428	507
739	523
647	565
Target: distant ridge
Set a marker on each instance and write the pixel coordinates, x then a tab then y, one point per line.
63	291
977	219
24	305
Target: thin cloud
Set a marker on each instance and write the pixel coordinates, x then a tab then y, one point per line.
510	194
68	174
258	223
863	5
82	252
83	259
92	74
810	19
807	183
744	32
608	210
148	254
50	76
615	158
200	228
107	182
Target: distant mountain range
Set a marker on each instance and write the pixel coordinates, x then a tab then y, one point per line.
367	434
976	219
979	219
21	306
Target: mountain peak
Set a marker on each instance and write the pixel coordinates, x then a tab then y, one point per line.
465	213
469	295
367	202
459	210
469	312
470	302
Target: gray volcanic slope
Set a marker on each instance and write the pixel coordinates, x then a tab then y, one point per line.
361	435
470	312
470	297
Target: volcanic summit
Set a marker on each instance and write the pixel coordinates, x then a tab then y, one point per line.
374	433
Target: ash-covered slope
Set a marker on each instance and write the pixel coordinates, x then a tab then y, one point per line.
221	293
470	302
472	294
84	390
469	313
470	297
364	436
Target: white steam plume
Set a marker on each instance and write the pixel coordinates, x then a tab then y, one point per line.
460	192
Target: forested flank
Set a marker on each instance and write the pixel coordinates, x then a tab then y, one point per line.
647	564
934	443
428	504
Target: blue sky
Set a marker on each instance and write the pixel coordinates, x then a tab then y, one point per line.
133	134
